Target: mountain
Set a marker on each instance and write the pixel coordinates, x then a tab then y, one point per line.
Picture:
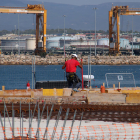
77	17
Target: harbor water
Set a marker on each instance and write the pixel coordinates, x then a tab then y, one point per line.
16	76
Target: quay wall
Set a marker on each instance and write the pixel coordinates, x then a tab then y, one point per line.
59	60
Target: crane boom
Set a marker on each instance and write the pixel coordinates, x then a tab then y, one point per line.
114	13
41	16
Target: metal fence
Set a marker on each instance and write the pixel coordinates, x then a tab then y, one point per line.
125	80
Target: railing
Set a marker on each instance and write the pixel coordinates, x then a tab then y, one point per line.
125	79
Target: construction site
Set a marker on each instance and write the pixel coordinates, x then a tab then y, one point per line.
51	111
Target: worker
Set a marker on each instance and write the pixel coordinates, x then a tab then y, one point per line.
71	76
28	85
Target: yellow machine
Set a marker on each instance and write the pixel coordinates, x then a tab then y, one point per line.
114	13
41	18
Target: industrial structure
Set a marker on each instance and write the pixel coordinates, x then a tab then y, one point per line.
114	17
41	19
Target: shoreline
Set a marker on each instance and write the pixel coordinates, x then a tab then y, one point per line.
60	60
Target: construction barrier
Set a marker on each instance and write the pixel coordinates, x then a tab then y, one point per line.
112	131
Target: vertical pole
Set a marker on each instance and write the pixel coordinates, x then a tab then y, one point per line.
64	44
20	117
12	120
31	125
56	123
18	37
64	35
22	125
110	29
132	34
48	119
2	127
64	124
7	115
32	73
37	30
44	29
72	124
118	85
4	119
38	122
95	29
29	120
41	114
82	77
118	33
80	125
90	61
88	71
103	49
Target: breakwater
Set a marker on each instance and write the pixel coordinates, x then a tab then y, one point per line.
59	60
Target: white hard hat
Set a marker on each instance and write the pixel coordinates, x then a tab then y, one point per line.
74	55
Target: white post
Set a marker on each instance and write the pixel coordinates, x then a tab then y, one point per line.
132	34
95	29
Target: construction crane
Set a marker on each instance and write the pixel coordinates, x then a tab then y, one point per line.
41	18
114	17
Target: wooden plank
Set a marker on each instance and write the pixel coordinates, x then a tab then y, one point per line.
133	98
107	97
81	93
67	91
7	96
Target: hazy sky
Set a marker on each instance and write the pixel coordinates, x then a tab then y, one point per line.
86	2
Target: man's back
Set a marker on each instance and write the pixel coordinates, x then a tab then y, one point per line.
71	65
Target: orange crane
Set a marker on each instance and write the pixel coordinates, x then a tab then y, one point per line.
114	13
41	18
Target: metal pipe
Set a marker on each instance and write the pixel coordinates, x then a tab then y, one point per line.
29	121
90	60
64	44
32	72
88	71
38	123
31	125
43	109
41	114
67	113
4	119
22	125
80	125
18	37
72	124
2	126
12	120
132	34
20	117
95	29
64	35
48	119
8	115
56	123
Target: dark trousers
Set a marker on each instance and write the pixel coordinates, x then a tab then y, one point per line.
75	82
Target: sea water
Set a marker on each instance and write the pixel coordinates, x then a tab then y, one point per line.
16	76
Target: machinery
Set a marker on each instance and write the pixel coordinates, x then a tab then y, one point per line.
41	18
114	17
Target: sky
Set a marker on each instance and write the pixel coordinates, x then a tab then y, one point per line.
86	2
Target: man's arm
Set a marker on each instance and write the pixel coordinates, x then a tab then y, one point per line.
80	65
63	66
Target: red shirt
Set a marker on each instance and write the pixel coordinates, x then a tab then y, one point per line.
71	65
28	84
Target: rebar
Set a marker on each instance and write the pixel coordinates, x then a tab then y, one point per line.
64	124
